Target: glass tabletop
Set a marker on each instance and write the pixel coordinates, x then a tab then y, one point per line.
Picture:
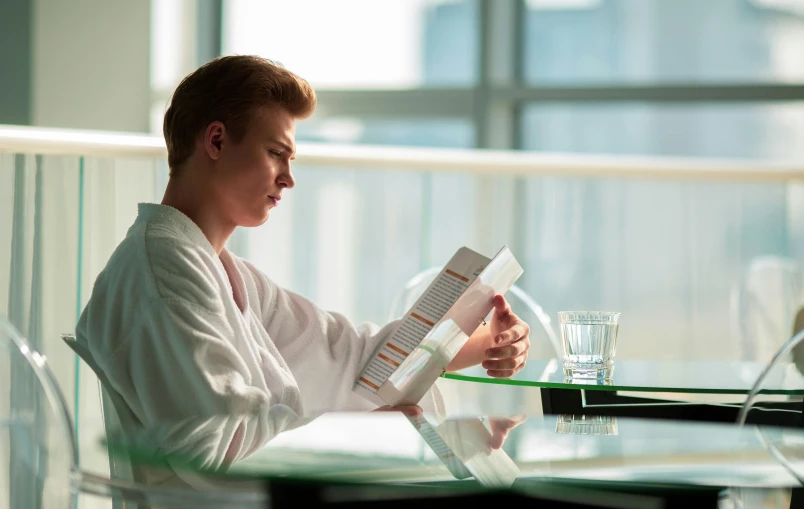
388	447
672	376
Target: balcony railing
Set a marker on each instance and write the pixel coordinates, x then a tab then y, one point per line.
33	140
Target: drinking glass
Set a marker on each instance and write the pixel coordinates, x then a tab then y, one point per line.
588	341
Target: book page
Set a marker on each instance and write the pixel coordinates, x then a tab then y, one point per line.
442	294
421	368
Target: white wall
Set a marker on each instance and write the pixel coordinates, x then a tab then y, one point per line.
91	64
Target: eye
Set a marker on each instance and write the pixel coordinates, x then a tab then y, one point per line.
275	153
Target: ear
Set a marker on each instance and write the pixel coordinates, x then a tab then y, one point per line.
213	139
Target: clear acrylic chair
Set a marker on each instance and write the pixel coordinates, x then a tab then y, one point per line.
543	338
764	305
120	466
776	418
38	452
127	486
39	458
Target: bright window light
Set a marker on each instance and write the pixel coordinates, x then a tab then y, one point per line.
344	44
562	4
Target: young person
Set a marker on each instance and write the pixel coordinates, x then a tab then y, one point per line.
179	328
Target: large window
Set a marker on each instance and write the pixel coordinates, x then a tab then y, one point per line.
651	41
378	130
363	45
517	73
360	44
711	79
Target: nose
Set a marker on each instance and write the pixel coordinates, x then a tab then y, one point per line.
285	179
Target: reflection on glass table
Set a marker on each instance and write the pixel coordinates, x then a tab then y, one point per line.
637	375
384	447
679	390
468	449
586	424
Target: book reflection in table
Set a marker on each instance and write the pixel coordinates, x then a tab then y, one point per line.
471	447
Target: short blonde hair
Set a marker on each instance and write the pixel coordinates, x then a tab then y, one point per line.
229	89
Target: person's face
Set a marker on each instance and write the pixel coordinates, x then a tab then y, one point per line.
251	175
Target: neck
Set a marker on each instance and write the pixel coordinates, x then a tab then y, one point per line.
193	201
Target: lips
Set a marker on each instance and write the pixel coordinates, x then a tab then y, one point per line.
275	199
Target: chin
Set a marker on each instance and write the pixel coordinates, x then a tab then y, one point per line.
254	220
262	218
259	221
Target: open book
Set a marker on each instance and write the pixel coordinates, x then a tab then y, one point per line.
432	332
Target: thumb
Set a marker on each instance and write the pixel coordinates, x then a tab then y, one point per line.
501	305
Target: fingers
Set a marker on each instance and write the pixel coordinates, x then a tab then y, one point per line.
509	351
411	410
500	426
514	333
408	410
505	364
498	438
505	423
505	368
509	422
505	373
504	361
500	305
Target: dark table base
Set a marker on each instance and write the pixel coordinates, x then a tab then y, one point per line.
606	403
525	493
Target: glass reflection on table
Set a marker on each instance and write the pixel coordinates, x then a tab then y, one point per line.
653	375
588	381
586	424
389	447
328	447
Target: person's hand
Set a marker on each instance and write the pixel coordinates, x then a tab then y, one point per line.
500	426
510	341
408	410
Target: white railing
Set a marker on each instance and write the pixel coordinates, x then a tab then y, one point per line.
34	140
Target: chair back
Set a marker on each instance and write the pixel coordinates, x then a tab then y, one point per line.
798	350
38	450
120	466
764	306
543	338
778	416
774	415
39	456
130	486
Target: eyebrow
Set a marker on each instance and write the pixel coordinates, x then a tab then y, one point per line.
287	148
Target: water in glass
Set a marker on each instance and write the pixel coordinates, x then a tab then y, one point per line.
589	340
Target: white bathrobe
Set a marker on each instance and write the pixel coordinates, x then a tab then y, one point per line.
179	333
